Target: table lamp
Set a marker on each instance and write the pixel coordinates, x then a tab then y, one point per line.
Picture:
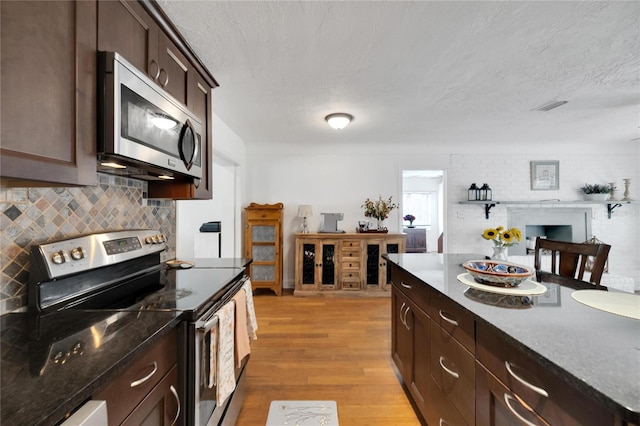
305	211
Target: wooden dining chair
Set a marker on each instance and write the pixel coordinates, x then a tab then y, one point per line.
569	262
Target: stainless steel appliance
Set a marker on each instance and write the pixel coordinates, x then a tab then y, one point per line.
142	125
330	222
122	272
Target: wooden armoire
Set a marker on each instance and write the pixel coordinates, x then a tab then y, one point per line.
263	243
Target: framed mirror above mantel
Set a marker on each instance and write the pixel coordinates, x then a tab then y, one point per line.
611	204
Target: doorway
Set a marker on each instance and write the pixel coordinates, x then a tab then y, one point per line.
422	198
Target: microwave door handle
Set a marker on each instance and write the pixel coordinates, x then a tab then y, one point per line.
187	128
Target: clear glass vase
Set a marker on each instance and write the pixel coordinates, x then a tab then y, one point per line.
499	253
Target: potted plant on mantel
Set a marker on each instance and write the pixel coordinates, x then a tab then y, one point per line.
596	192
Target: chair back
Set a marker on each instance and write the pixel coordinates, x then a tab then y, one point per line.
569	262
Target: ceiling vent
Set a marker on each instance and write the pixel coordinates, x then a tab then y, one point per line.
550	105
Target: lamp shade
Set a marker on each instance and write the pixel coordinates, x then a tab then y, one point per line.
305	210
339	120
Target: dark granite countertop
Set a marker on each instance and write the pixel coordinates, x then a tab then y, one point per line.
37	391
595	351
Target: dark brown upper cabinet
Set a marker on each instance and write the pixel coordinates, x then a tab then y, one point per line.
48	86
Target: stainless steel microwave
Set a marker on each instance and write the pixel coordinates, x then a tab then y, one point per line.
143	126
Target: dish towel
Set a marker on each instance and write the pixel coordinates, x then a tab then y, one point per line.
224	368
242	335
252	323
213	358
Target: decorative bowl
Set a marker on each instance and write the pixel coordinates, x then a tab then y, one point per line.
497	273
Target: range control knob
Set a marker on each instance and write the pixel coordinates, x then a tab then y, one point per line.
162	238
148	240
77	253
58	257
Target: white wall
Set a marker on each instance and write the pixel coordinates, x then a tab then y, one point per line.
228	199
509	177
341	180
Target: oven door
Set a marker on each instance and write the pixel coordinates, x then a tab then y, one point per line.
202	385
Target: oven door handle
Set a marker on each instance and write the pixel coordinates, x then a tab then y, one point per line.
208	325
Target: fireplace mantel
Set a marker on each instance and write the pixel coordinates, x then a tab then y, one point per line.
488	204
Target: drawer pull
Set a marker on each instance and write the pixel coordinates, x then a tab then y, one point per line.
449	320
536	389
405	285
442	422
175	395
451	372
401	312
508	399
145	378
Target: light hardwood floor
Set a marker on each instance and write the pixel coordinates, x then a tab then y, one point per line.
317	348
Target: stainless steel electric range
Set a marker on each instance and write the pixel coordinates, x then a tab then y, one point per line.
122	271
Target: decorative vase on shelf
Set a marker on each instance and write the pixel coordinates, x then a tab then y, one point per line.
411	225
380	224
499	253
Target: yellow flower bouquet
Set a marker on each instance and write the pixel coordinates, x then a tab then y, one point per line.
502	237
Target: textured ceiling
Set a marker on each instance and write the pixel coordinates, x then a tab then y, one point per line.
438	72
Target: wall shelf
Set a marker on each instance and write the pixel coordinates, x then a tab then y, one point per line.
489	204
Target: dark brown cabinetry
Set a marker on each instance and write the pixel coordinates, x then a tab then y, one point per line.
410	338
474	375
511	385
48	86
127	28
147	390
139	33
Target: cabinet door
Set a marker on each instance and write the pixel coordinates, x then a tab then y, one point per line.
327	271
200	103
264	251
161	406
377	273
175	70
125	27
401	350
419	324
410	346
373	263
48	86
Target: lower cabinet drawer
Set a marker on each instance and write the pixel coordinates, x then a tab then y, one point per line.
498	406
127	390
453	369
558	402
440	411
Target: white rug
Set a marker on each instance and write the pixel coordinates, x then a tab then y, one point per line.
303	413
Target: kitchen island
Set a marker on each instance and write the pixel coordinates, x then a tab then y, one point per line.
468	357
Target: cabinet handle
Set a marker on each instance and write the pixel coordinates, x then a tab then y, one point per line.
400	313
507	399
406	312
405	285
536	389
449	320
451	372
157	67
442	422
145	378
166	80
175	395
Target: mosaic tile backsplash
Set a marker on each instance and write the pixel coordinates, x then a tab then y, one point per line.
38	215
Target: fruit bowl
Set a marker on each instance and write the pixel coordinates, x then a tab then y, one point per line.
497	273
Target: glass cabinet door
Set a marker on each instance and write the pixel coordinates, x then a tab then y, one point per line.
308	263
328	264
263	252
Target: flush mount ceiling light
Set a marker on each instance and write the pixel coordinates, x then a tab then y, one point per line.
339	120
551	105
